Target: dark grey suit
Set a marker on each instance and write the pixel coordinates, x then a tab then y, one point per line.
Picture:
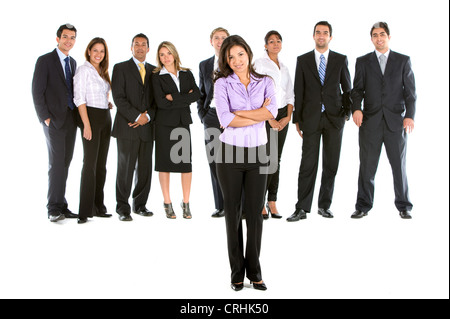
50	96
134	145
310	95
209	118
388	100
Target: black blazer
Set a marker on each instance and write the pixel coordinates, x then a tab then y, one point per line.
176	112
392	95
206	87
335	94
49	89
132	98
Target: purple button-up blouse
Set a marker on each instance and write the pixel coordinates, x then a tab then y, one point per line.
230	96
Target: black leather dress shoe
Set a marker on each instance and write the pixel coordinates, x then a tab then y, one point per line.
358	214
405	214
218	213
56	218
261	286
237	287
82	220
297	215
325	213
143	212
125	218
68	214
103	215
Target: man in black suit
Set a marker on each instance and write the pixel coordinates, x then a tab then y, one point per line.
52	90
385	81
322	105
133	127
207	112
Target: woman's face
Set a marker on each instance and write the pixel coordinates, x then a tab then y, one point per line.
238	60
274	44
166	57
97	54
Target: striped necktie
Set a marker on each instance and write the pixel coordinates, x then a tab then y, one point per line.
322	68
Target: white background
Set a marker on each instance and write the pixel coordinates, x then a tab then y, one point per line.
380	256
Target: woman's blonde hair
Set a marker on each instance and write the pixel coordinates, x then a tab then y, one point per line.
169	46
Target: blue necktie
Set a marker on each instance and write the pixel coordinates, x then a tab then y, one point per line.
69	82
322	69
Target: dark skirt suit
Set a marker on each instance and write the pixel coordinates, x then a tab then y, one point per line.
173	115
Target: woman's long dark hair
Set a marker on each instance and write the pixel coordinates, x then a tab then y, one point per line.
104	65
224	68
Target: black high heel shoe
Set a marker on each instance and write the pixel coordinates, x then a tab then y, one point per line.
277	216
237	287
261	286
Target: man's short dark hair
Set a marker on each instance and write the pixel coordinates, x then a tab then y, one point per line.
66	26
382	25
325	23
140	35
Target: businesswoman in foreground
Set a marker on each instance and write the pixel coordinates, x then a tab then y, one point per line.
245	100
174	91
92	85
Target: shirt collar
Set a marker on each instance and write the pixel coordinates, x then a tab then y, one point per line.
325	54
235	78
385	54
137	62
61	55
164	71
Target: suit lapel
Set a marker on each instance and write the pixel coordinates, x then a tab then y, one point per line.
331	64
389	63
58	65
375	65
210	70
311	59
134	70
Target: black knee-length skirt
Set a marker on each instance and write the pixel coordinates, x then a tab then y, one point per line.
173	149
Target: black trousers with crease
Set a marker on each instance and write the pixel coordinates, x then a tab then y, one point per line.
235	179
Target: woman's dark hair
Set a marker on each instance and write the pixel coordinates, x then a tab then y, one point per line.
104	65
224	68
271	33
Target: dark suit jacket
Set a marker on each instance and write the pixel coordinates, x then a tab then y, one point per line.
132	98
206	87
49	89
310	94
392	95
176	112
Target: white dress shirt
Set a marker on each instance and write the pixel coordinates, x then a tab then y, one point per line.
212	105
175	78
281	77
318	54
90	88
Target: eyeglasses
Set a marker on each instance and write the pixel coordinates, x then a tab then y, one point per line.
69	26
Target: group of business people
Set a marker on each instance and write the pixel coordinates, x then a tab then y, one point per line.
248	102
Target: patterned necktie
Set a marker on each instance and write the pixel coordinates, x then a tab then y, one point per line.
322	68
69	82
382	63
142	71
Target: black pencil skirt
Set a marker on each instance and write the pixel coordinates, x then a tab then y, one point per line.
173	149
